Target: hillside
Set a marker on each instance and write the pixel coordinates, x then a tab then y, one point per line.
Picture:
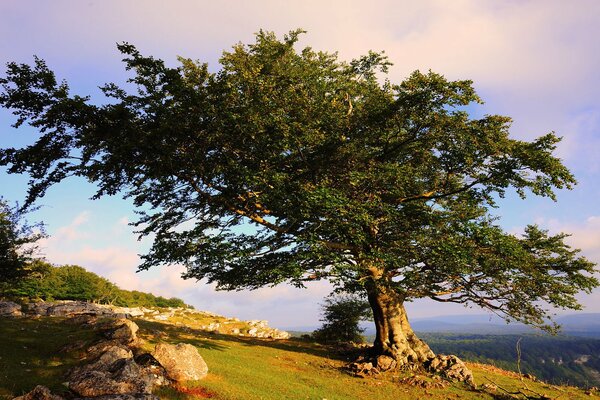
41	350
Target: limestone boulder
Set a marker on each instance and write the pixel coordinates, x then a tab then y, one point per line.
10	309
182	362
123	376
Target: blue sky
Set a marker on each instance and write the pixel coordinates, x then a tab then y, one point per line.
536	61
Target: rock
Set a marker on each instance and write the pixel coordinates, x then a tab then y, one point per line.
152	368
124	331
278	334
39	393
38	308
99	348
10	309
123	376
104	354
71	308
385	363
182	361
129	311
450	367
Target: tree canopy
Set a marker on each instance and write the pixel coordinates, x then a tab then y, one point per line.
380	187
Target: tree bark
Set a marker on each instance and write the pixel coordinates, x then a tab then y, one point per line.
395	338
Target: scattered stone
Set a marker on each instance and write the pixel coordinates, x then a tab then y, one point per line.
424	382
39	393
182	361
10	309
450	367
489	387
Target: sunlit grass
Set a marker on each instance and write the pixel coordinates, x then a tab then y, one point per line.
239	367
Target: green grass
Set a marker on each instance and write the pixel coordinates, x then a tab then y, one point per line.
239	367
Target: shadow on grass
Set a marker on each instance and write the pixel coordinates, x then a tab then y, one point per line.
30	353
203	339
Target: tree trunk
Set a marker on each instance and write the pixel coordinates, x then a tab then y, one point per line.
395	338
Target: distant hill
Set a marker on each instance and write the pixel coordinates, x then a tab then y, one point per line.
584	325
581	325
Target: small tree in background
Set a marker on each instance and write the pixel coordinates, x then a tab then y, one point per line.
17	243
341	317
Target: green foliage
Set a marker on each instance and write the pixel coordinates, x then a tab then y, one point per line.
72	282
17	243
345	175
341	317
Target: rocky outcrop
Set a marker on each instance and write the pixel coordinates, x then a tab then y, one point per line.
112	372
10	309
182	362
81	312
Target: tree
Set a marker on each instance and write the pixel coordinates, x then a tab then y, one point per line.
17	243
385	189
341	317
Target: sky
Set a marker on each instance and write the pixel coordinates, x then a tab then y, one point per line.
535	61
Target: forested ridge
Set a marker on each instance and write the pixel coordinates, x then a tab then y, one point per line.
72	282
554	359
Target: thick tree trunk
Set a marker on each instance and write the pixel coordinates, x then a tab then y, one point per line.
395	338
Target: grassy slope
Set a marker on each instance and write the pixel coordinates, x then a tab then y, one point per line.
240	367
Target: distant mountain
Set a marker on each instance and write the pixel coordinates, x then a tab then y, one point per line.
582	325
587	325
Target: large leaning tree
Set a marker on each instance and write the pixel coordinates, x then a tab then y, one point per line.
382	188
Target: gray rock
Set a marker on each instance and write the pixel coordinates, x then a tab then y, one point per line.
10	309
124	376
123	330
182	361
38	308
